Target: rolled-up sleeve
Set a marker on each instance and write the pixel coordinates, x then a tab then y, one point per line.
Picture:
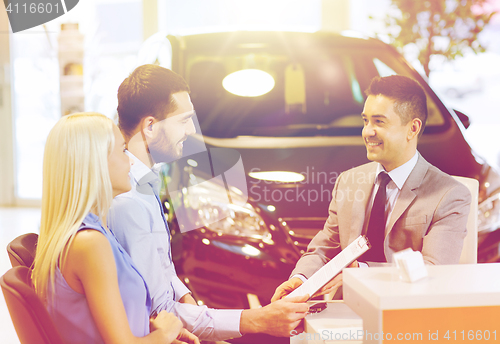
207	323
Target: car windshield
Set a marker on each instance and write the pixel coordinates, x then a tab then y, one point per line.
310	88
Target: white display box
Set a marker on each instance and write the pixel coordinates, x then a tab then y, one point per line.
454	303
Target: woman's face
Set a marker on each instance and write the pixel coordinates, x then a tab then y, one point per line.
119	165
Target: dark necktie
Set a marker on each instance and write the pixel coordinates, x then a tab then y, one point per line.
376	226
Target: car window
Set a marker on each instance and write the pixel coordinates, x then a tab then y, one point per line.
317	92
383	69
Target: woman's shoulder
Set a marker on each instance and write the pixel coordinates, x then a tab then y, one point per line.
90	242
88	254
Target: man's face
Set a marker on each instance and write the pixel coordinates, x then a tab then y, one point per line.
169	134
386	139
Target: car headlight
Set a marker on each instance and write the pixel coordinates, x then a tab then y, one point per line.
489	213
210	205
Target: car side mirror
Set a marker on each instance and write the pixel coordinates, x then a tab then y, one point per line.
463	118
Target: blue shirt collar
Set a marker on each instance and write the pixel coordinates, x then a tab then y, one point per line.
141	173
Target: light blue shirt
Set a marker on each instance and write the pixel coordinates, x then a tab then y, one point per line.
136	218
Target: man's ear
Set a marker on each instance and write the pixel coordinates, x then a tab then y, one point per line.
147	126
415	127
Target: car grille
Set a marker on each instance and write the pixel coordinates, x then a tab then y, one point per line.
301	230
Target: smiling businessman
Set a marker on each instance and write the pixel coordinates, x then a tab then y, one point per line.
406	201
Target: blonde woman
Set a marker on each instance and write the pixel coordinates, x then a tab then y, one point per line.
90	285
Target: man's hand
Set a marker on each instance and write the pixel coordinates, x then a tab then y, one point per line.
186	337
335	283
188	299
286	288
168	323
278	318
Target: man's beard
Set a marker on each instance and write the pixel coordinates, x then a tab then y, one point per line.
161	150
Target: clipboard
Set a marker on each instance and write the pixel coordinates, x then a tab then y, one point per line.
331	269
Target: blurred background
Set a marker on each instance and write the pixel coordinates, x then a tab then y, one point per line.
111	37
463	68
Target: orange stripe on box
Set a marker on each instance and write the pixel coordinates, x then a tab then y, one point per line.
469	323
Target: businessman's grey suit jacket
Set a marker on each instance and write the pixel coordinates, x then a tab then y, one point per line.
430	216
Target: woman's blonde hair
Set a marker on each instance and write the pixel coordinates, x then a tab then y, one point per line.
75	182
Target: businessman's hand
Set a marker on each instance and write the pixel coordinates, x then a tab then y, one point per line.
286	288
279	318
335	283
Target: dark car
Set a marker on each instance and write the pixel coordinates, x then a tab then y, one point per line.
305	125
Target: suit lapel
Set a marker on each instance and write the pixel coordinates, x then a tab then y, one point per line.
408	193
362	188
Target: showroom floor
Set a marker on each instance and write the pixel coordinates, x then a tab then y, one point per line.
13	222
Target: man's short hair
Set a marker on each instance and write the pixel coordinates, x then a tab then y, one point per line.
147	92
409	97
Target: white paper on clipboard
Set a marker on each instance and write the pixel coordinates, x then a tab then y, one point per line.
333	267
